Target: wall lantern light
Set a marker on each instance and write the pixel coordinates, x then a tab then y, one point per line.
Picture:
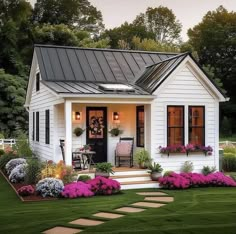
77	115
116	116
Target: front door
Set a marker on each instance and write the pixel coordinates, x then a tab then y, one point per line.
96	132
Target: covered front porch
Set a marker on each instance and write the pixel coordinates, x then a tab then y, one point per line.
131	116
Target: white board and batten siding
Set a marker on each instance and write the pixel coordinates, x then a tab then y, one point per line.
41	101
187	89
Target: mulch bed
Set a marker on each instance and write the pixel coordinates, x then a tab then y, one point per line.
31	198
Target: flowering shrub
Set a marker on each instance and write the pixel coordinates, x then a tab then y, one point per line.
101	185
63	172
49	187
18	173
77	189
49	169
26	190
13	163
186	149
187	180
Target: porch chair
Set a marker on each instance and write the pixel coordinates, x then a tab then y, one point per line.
124	150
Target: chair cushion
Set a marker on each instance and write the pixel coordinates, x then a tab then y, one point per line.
123	149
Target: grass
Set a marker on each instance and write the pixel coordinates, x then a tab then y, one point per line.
228	138
204	210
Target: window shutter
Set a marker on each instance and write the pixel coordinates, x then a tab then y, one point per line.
47	127
37	126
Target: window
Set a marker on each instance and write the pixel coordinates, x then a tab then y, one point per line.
37	126
197	125
175	125
140	126
33	126
37	82
47	127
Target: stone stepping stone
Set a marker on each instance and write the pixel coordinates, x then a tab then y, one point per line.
62	230
152	194
86	222
130	209
160	199
108	215
148	204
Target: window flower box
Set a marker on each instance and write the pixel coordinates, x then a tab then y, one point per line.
189	148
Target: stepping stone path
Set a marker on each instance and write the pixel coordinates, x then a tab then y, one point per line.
62	230
108	215
148	204
151	200
129	209
86	222
160	199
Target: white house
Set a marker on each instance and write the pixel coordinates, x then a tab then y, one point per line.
159	99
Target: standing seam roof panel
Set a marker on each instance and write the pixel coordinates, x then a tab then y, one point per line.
48	66
104	66
132	63
89	76
41	63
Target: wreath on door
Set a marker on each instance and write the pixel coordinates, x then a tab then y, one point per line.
96	125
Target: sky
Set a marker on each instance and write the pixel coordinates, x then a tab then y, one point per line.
188	12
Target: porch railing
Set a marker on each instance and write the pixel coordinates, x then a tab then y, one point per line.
227	143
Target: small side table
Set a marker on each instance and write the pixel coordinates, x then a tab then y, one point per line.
87	158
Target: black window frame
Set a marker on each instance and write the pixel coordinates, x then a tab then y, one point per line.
33	130
204	123
37	81
138	128
183	124
47	127
37	126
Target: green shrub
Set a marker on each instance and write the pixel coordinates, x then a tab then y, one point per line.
230	149
22	146
229	162
33	170
167	173
206	170
84	178
5	158
187	167
2	152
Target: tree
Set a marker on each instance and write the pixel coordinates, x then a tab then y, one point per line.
79	13
215	42
162	23
14	37
152	45
64	35
121	37
12	97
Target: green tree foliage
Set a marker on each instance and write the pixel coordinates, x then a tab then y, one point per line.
162	23
63	35
14	35
152	45
70	12
12	97
214	39
120	37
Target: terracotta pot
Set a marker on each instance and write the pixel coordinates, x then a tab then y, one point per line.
155	176
103	174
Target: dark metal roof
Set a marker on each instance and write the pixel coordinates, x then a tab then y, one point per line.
69	87
155	74
60	63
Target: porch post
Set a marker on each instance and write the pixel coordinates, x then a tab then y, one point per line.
68	132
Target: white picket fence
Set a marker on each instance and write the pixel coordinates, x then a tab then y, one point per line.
7	142
227	143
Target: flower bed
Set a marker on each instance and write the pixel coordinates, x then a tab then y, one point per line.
189	180
207	150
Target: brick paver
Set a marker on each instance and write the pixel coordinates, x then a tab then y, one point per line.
148	204
62	230
86	222
108	215
130	209
161	199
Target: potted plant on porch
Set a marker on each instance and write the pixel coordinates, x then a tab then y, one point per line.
155	170
78	131
103	169
142	157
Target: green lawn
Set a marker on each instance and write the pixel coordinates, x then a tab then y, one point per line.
206	210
